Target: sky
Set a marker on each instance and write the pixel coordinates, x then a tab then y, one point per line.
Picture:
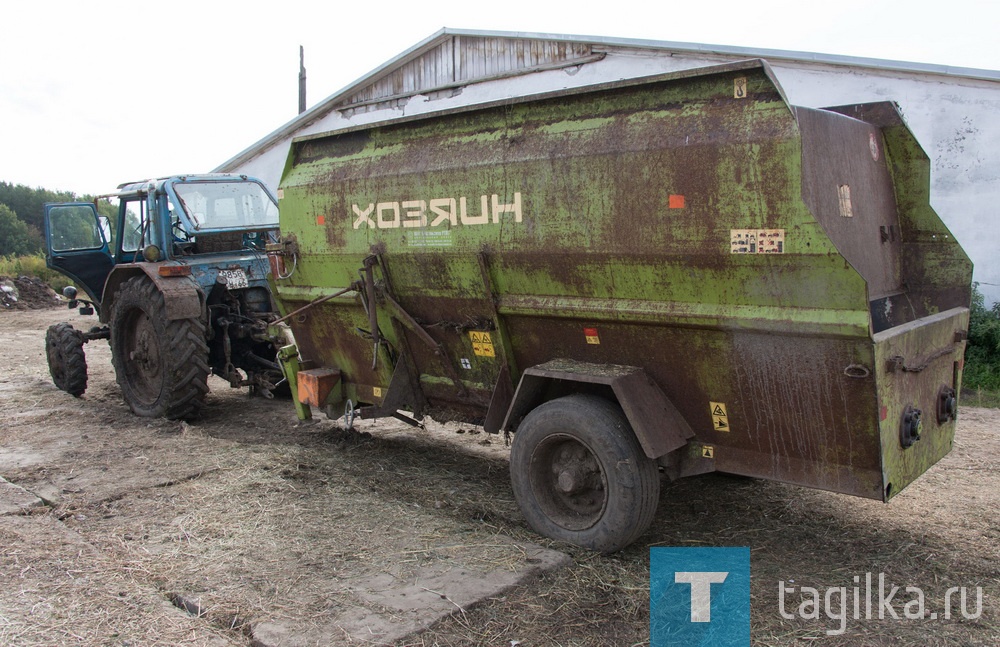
93	94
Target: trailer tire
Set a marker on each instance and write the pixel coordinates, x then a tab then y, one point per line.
67	362
579	474
160	364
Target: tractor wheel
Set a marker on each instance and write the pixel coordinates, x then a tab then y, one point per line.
161	364
579	474
67	362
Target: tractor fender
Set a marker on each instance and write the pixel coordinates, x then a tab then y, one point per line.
658	425
183	297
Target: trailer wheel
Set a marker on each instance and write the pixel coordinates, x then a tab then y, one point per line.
67	362
579	474
161	364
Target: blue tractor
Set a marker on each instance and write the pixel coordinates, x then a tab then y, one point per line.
179	280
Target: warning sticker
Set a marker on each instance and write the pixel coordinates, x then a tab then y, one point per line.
482	343
740	88
377	391
707	451
591	335
720	418
756	241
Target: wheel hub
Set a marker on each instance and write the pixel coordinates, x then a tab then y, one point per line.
570	482
143	353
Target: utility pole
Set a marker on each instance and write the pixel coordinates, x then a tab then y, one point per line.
302	79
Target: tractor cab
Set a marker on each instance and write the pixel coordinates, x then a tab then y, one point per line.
158	220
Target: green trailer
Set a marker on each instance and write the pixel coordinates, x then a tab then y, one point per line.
670	275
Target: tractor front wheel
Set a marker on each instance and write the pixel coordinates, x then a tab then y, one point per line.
67	362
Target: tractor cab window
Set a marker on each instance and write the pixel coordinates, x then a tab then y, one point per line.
136	232
227	205
75	227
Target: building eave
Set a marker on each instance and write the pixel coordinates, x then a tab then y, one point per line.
331	102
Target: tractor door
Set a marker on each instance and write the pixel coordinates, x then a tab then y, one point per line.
78	244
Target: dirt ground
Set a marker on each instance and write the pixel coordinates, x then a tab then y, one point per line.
249	528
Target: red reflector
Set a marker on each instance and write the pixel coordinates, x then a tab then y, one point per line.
174	270
883	412
320	220
675	202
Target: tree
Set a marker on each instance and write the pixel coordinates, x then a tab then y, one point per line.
28	204
982	354
16	237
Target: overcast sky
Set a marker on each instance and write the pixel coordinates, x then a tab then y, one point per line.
96	93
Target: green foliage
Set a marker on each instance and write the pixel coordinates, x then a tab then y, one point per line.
16	238
27	204
982	354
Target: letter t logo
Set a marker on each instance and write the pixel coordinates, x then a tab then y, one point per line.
701	592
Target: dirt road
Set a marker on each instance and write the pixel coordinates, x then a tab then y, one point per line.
248	528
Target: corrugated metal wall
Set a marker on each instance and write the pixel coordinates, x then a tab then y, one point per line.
465	59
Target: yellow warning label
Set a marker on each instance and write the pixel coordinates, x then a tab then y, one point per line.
720	418
740	88
377	391
482	343
707	451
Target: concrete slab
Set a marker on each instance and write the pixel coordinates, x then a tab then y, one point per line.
384	609
14	499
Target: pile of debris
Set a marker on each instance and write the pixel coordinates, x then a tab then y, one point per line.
26	293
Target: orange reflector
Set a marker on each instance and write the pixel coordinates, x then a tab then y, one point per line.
174	270
675	202
320	220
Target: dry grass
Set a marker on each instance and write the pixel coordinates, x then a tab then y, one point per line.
279	521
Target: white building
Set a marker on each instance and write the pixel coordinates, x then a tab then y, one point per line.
952	111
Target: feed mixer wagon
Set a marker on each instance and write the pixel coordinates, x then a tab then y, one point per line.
669	275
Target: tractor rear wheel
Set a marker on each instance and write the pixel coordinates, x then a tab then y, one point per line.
161	364
579	474
67	362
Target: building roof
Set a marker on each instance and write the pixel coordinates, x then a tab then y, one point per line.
451	58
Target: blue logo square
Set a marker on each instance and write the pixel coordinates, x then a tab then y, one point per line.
699	596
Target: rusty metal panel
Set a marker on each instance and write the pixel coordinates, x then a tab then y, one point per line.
680	224
846	183
914	364
655	420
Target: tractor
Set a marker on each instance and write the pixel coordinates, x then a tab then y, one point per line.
179	280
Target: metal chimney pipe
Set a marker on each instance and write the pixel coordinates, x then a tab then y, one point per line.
302	79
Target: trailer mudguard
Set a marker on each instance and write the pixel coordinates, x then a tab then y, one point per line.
655	420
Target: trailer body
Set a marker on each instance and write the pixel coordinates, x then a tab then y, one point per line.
761	289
